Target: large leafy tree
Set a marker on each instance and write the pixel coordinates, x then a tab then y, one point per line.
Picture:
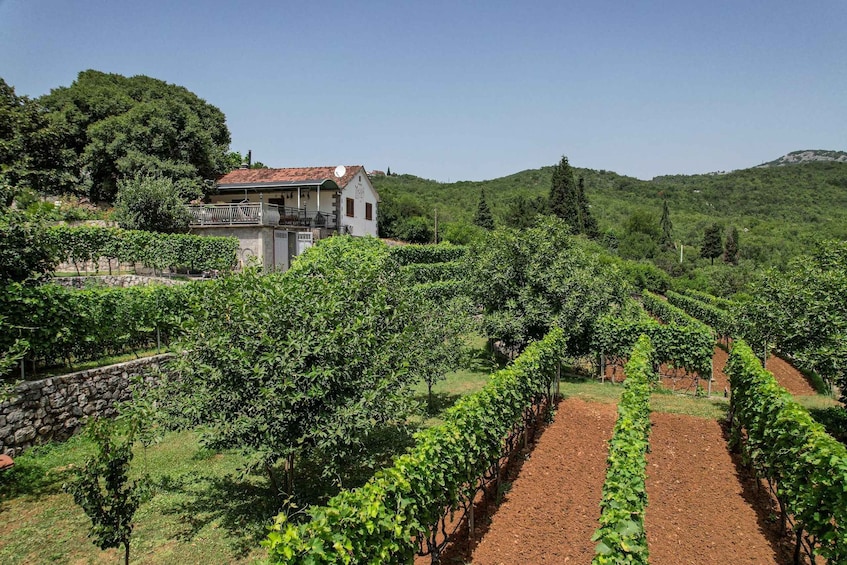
30	153
116	127
803	311
528	281
309	361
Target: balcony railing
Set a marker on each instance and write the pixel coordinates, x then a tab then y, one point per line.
258	214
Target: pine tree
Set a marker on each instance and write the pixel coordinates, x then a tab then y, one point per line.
667	228
712	243
388	172
730	248
483	217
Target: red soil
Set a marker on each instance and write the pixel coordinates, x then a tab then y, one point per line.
553	507
789	377
699	510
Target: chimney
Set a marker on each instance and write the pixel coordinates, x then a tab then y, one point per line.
249	158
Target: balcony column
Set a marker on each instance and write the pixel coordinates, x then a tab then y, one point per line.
298	197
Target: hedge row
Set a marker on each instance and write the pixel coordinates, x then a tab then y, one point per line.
63	325
687	346
621	537
717	301
441	291
717	318
83	244
381	521
421	273
441	253
807	467
667	312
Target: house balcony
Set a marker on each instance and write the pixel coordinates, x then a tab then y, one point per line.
259	214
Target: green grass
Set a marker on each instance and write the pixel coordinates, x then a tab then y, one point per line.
201	510
592	390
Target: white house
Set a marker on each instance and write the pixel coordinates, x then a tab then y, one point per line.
276	213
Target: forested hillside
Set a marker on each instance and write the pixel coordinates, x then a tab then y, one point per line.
778	211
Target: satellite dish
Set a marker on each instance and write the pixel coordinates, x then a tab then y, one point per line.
340	170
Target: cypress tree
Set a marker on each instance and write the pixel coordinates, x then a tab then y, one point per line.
712	243
587	223
730	249
667	228
563	194
483	217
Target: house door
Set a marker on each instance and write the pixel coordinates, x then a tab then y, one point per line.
281	250
304	241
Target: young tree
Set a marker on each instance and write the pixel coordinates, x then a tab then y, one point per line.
483	217
730	249
712	243
666	240
103	490
151	204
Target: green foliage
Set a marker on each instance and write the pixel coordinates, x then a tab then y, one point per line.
568	200
643	274
420	254
112	127
712	246
151	204
523	211
803	312
483	217
780	212
730	249
527	282
103	490
460	233
26	252
719	319
308	361
379	523
65	325
84	244
666	240
621	537
806	467
685	345
421	273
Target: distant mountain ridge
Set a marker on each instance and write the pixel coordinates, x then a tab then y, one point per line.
807	156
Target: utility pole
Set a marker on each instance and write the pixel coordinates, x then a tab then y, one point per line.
436	224
680	253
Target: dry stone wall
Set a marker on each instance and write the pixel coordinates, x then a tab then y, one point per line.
55	408
114	280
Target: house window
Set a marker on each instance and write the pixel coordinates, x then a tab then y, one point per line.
369	211
350	208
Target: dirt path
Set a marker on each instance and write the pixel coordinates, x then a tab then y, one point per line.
699	511
553	507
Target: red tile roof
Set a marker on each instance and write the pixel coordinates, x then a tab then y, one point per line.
290	175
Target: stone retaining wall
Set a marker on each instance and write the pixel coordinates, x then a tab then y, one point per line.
55	408
114	280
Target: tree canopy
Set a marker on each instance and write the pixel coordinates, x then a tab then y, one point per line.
111	127
483	217
712	243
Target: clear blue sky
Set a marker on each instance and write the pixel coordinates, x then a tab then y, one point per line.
470	90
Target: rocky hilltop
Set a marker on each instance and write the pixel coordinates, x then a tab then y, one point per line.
807	156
